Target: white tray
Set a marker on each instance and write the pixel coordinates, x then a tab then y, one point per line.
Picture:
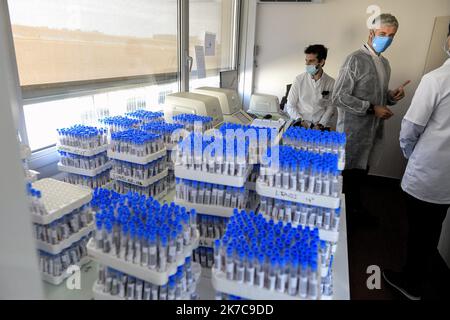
102	296
84	172
140	183
221	179
298	197
143	273
60	198
136	159
205	209
33	176
83	152
221	284
56	281
56	249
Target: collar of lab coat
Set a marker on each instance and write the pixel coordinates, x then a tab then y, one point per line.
447	63
366	48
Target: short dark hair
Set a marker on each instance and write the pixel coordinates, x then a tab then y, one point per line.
318	49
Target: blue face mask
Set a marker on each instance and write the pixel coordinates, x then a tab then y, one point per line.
312	69
380	44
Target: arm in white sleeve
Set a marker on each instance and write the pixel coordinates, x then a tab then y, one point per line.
330	109
293	100
409	135
343	91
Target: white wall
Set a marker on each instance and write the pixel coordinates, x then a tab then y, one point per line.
284	30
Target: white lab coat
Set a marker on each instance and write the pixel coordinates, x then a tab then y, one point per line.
306	101
427	176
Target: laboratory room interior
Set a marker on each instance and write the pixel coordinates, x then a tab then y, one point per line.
225	150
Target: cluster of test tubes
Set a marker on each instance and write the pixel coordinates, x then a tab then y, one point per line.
197	154
211	194
141	231
98	181
154	190
170	132
82	162
271	256
220	296
82	137
120	123
146	116
181	286
316	141
35	201
138	171
62	229
204	256
254	175
260	138
300	214
211	227
56	265
136	143
193	122
303	171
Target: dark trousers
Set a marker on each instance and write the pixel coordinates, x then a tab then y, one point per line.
424	230
354	179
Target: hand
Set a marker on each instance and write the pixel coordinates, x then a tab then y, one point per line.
319	126
399	93
383	112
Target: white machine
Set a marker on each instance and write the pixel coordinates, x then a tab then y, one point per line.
193	103
230	103
264	104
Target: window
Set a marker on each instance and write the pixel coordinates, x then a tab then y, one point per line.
81	60
212	39
60	41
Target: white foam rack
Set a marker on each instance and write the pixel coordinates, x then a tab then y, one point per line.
213	178
135	159
102	296
138	271
60	279
139	182
85	172
298	197
210	210
221	284
60	247
83	152
59	199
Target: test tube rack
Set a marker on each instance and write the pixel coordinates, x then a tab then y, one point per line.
135	159
221	284
30	175
60	199
138	271
99	295
141	183
56	281
213	178
84	172
82	152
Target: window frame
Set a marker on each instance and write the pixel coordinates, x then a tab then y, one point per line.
48	156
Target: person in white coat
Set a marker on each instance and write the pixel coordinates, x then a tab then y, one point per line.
425	141
309	99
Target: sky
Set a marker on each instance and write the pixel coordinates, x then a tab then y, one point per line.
136	18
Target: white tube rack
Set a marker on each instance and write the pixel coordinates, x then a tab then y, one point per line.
83	152
99	295
59	199
213	178
85	172
210	210
298	197
141	183
56	281
60	247
221	284
135	159
32	176
138	271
